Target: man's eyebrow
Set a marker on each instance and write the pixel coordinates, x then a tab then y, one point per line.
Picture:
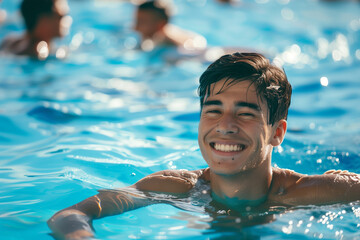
249	105
237	104
212	102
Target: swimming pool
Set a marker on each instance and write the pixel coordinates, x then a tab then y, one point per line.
108	115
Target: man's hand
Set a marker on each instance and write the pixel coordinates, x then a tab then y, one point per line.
71	224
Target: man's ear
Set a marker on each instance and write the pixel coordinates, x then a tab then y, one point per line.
279	130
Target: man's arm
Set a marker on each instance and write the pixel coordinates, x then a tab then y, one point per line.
334	186
75	222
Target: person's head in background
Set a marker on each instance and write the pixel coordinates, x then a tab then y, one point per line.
152	22
44	21
151	18
44	18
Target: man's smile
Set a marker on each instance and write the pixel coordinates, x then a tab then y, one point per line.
227	147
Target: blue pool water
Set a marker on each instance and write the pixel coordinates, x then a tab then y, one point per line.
108	115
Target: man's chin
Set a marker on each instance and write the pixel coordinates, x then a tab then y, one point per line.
227	171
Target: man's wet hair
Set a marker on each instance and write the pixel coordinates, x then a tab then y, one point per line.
160	8
270	81
32	10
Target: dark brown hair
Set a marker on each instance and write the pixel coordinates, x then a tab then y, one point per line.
269	80
32	10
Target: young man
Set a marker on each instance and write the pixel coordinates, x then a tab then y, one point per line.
152	23
244	106
44	21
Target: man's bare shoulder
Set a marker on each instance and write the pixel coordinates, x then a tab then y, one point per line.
292	188
171	181
287	178
286	173
184	38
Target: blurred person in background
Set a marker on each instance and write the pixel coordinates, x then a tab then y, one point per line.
44	20
152	23
224	1
230	2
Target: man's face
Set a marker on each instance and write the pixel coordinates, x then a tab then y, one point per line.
233	132
147	23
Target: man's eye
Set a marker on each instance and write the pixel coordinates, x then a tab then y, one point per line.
246	114
213	111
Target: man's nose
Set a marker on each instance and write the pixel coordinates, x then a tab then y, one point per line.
227	125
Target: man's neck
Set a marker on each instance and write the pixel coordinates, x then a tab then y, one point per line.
246	188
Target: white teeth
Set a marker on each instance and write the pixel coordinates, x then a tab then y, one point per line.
227	148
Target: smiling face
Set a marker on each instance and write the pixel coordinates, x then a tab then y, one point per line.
234	134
